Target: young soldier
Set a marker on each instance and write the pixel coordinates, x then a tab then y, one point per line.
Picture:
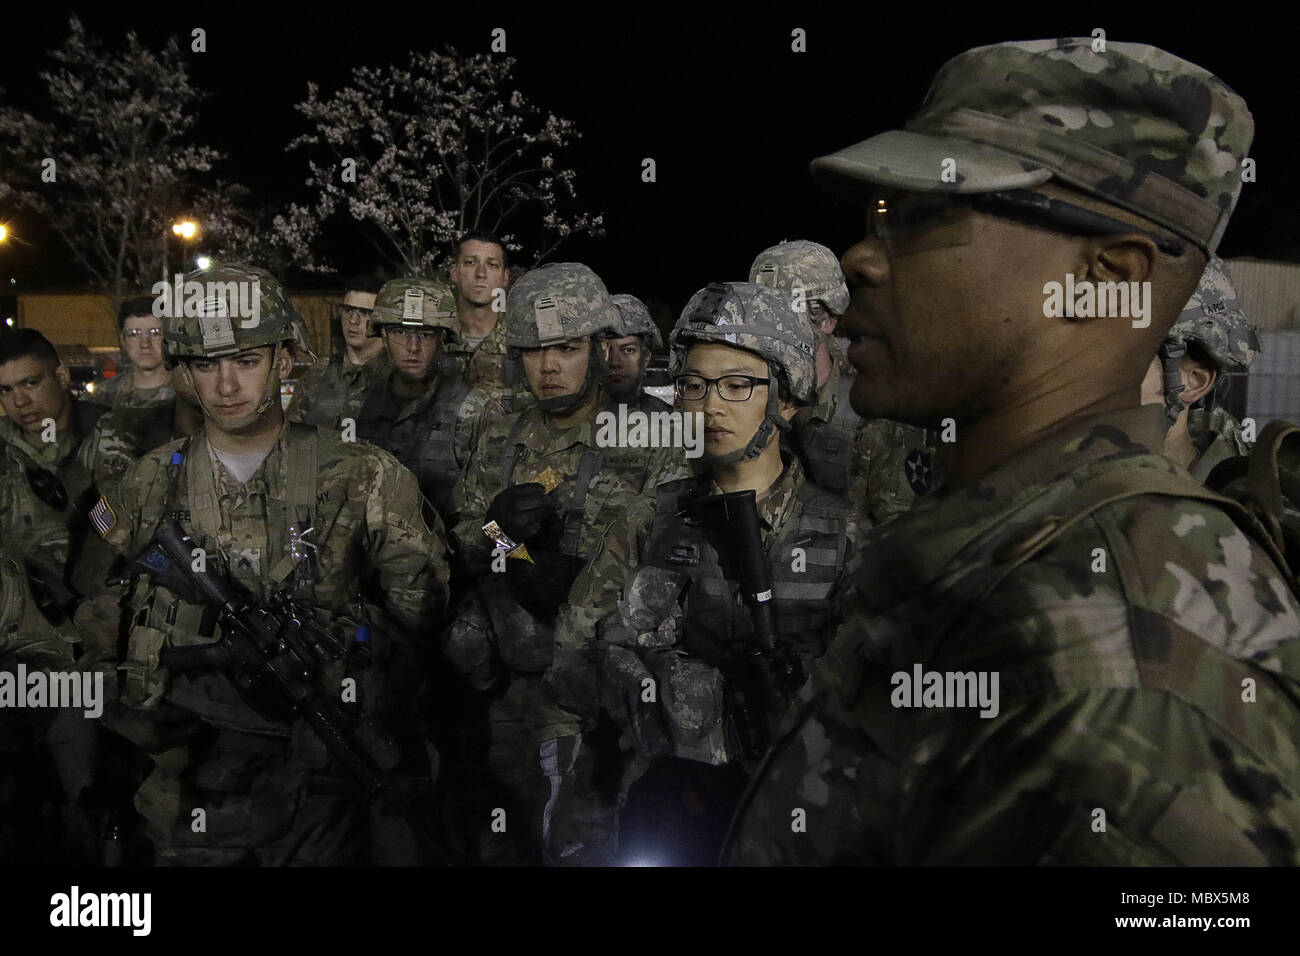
424	417
326	394
145	382
275	508
721	671
540	480
628	353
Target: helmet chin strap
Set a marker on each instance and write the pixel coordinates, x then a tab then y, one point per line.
773	421
1171	358
562	404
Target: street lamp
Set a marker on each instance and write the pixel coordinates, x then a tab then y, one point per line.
4	233
186	229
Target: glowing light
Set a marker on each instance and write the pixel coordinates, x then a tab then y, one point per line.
4	233
203	262
186	229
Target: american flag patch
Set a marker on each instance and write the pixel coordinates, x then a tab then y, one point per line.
102	517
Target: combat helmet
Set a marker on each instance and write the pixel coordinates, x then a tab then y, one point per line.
550	305
800	264
238	307
413	302
759	320
635	319
1214	320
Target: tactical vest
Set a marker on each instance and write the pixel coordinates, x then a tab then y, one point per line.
328	397
424	442
161	618
806	558
588	467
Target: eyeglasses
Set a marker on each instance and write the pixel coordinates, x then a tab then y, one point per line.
47	488
353	312
137	333
412	336
730	388
923	221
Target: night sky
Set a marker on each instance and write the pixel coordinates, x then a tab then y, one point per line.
731	116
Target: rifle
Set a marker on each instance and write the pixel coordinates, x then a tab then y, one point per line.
270	651
764	675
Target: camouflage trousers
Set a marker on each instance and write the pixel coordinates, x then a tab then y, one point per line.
244	800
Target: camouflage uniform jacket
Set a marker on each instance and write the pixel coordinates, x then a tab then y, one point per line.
326	394
883	461
375	542
1217	435
1147	661
623	477
120	438
403	427
49	538
120	392
481	364
573	679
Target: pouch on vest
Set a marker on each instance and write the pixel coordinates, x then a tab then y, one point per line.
524	643
145	680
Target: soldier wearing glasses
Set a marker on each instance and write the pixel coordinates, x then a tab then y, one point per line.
326	394
146	382
1144	635
660	602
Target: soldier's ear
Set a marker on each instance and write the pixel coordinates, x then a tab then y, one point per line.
63	376
1197	378
288	358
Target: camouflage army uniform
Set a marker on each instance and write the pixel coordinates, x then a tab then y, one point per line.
45	534
121	437
342	527
1146	647
495	642
1218	436
326	394
891	464
481	365
118	392
1120	688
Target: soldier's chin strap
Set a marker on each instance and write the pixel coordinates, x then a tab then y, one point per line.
1171	359
773	421
596	367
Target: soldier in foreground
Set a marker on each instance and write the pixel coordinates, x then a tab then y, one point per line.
547	491
327	394
628	353
670	602
880	465
424	418
1211	340
145	382
1073	654
276	508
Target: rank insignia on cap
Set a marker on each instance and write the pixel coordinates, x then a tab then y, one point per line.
103	517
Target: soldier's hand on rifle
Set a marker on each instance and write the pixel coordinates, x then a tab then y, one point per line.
522	511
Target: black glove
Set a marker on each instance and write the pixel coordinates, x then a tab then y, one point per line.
523	511
542	585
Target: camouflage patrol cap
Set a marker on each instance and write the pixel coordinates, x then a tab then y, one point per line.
1214	319
555	303
800	264
759	320
414	302
227	308
1130	124
635	319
